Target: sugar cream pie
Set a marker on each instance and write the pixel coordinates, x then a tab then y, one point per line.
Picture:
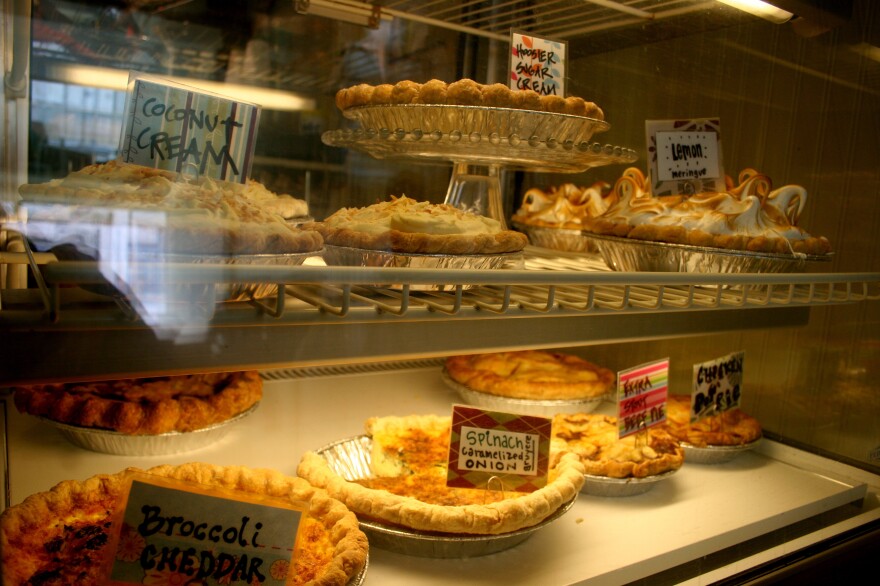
729	428
595	439
405	225
145	406
188	216
60	536
407	485
749	216
463	92
565	206
531	374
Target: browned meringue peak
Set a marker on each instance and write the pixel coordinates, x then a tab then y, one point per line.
566	205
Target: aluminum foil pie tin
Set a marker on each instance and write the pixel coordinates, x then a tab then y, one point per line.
362	257
565	239
715	454
545	408
619	487
627	254
350	458
121	444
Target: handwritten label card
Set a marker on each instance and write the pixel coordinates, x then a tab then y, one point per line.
489	445
171	532
537	64
717	385
641	396
174	127
685	156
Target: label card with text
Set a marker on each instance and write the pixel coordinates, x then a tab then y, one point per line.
490	446
717	385
177	128
537	64
641	396
170	532
684	156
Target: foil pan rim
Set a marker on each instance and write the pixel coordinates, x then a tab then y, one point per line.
607	480
722	449
419	255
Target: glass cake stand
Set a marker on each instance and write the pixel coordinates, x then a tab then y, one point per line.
479	142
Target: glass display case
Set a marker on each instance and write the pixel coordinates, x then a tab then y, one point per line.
796	97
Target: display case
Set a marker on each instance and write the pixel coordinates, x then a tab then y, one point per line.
336	345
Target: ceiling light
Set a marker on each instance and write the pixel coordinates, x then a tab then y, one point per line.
763	9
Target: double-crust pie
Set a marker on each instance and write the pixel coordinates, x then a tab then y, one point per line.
729	428
595	439
405	225
749	216
145	406
407	487
531	374
463	92
168	212
60	536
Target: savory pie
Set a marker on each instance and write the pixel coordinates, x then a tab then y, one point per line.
60	536
565	206
145	406
170	213
408	483
464	92
531	374
595	439
729	428
750	216
405	225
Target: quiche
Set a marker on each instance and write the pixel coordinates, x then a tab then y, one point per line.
750	216
595	439
160	211
146	406
463	92
407	486
729	428
531	374
404	225
60	536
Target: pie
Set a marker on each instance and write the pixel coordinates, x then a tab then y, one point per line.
749	216
729	428
595	439
159	211
408	483
405	225
565	206
145	406
463	92
60	536
531	374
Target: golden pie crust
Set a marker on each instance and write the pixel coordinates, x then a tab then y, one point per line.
59	536
595	439
417	497
730	428
145	406
405	225
196	217
750	216
531	374
464	92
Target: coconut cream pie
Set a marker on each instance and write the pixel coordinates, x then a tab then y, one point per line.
749	216
405	225
564	206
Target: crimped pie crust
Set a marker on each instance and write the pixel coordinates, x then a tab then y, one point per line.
405	225
464	92
515	511
145	406
36	535
594	438
729	428
531	374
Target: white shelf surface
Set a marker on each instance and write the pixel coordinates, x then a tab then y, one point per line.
700	510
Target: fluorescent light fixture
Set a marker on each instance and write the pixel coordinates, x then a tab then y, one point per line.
763	9
345	10
117	79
